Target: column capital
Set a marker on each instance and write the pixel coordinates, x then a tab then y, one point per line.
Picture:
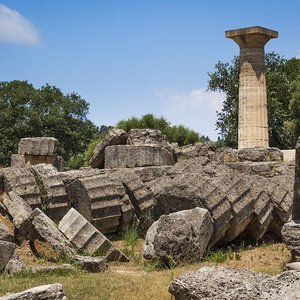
255	36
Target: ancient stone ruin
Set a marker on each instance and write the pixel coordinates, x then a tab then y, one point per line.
183	199
247	192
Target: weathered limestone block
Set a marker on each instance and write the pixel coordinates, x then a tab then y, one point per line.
53	192
233	284
242	203
23	183
140	137
192	165
7	250
15	266
69	176
183	192
20	212
230	155
289	155
217	283
17	161
45	146
51	268
293	266
282	200
99	199
220	209
114	137
94	264
258	154
87	238
263	212
179	237
291	236
44	292
129	156
47	230
151	173
206	149
139	194
196	190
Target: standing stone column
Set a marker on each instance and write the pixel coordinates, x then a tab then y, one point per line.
253	117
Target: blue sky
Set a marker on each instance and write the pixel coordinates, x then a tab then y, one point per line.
128	58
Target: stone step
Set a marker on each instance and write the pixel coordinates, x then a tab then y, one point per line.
86	237
97	243
70	226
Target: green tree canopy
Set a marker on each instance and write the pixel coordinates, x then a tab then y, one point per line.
29	112
174	133
283	90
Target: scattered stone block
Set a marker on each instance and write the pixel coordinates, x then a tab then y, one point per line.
263	212
23	183
199	149
87	238
139	194
179	237
38	146
260	154
242	204
53	192
48	231
47	269
20	212
288	155
15	266
7	250
294	266
218	283
99	199
291	236
230	155
44	292
139	137
17	161
94	264
129	156
151	173
114	137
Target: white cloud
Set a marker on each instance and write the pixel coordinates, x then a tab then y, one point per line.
14	28
195	109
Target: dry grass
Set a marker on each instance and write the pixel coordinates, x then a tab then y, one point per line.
131	281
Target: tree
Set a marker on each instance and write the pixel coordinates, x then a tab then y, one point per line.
283	81
29	112
174	133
